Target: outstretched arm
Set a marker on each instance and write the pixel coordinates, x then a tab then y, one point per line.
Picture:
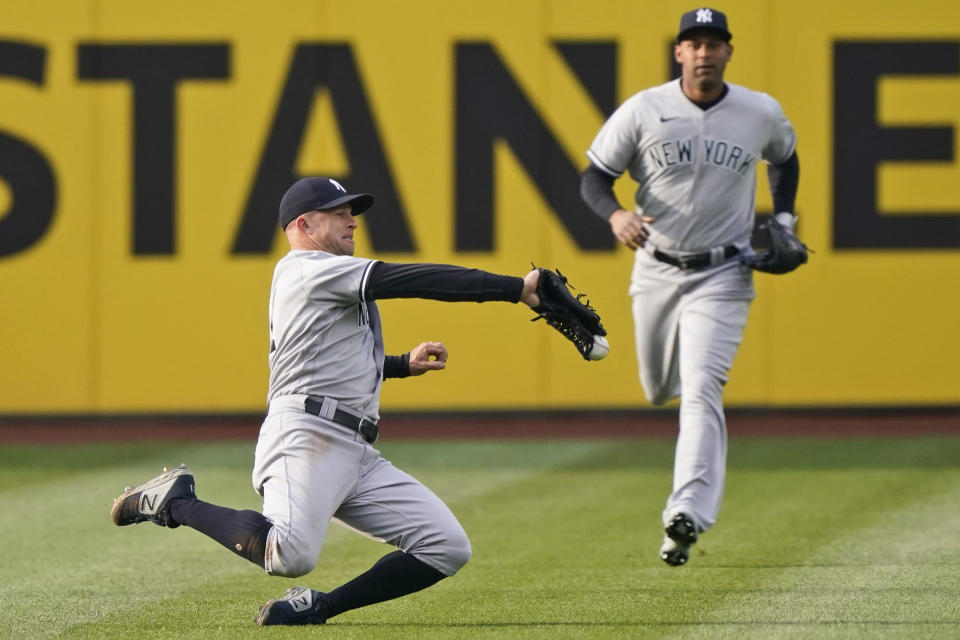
456	284
445	282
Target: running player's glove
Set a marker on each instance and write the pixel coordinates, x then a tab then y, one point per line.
785	252
577	321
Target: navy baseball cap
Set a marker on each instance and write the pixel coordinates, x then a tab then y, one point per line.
310	194
703	18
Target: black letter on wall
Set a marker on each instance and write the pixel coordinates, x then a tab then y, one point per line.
27	173
154	71
331	66
489	106
595	65
861	144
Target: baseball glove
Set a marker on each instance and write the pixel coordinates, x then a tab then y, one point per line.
577	321
785	252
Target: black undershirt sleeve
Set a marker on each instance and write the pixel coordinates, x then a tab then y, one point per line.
783	179
596	189
396	366
440	282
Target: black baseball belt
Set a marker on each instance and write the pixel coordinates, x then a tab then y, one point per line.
366	428
694	261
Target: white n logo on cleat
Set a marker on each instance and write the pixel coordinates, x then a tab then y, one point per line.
148	503
302	601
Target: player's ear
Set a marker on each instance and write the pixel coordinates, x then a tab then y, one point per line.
677	52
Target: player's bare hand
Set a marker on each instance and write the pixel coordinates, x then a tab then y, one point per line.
529	294
630	228
427	356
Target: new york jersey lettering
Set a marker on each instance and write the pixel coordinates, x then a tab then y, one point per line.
727	154
671	152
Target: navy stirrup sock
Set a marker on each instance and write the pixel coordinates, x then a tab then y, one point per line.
243	532
395	574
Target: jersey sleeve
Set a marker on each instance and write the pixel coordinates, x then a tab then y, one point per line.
336	279
616	143
783	139
446	282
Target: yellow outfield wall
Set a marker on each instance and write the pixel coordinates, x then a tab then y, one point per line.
144	147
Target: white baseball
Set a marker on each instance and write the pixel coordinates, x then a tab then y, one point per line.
600	348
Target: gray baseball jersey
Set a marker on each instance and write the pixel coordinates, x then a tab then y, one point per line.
696	168
325	338
696	171
326	342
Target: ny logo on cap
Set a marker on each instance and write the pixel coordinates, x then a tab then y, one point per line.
337	184
704	15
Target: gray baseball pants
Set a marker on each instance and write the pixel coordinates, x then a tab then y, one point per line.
310	470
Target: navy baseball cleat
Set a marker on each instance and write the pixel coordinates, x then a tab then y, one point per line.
301	605
151	500
673	553
682	529
681	533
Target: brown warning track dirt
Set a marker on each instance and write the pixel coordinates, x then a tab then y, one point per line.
565	424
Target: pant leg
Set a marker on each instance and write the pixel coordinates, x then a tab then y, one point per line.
657	294
305	467
392	506
712	321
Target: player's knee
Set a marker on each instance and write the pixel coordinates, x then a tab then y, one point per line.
447	553
659	398
290	556
458	553
657	394
703	385
659	388
293	565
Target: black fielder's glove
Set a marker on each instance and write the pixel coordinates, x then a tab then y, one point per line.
785	252
577	321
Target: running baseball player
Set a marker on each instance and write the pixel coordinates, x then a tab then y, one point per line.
315	458
692	145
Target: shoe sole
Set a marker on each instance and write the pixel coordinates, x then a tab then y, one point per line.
682	530
262	619
675	558
182	470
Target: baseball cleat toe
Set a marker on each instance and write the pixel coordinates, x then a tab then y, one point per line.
681	532
300	605
151	500
682	529
673	553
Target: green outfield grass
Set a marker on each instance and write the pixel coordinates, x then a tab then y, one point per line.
817	539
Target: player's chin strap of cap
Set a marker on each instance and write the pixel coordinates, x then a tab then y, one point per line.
327	408
693	261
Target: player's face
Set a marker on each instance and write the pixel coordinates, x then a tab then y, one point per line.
332	230
703	57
